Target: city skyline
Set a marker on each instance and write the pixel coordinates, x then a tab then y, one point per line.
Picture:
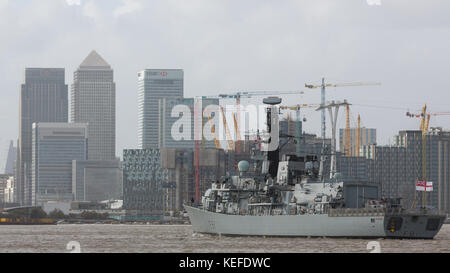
284	63
189	126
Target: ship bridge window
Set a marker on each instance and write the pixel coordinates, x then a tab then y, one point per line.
433	224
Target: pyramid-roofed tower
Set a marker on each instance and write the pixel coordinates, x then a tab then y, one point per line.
93	101
94	60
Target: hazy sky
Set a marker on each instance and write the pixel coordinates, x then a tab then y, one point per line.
232	45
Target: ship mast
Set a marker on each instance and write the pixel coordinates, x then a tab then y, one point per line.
333	119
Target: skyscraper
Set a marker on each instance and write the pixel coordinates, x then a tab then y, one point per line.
12	156
155	84
43	98
93	101
55	146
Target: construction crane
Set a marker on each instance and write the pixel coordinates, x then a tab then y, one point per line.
424	124
213	130
227	131
197	112
358	136
411	115
348	150
347	146
237	133
324	85
248	94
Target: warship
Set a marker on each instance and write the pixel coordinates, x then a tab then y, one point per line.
290	197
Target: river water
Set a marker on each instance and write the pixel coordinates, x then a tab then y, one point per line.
156	239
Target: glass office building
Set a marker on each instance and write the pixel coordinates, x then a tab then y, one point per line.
155	84
43	98
93	101
55	146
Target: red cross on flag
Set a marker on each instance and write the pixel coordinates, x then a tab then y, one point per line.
424	186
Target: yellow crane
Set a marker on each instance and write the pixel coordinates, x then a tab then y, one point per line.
424	125
348	150
237	133
247	94
358	136
348	145
227	131
213	130
324	85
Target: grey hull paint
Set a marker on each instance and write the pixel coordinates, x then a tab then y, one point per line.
319	225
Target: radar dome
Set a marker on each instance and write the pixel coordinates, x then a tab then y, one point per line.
243	166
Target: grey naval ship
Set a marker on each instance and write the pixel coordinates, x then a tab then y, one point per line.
292	198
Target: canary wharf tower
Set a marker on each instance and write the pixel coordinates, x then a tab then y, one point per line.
93	101
155	84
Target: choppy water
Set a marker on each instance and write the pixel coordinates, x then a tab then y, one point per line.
152	238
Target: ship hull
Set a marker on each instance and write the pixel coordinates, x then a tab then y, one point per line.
316	225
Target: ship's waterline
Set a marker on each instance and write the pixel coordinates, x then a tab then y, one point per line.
168	239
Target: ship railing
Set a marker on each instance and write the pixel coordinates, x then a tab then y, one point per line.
339	212
380	212
402	211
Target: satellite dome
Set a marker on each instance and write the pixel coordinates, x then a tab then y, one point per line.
243	166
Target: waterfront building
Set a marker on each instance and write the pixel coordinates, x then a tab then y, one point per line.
54	147
153	85
43	98
96	180
143	182
93	101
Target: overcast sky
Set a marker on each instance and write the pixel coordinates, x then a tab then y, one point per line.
232	45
